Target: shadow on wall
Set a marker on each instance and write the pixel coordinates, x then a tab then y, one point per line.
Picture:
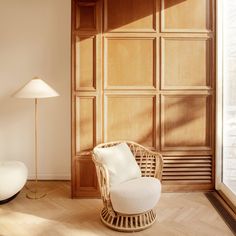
192	114
135	14
134	125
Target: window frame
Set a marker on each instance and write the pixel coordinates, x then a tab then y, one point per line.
219	185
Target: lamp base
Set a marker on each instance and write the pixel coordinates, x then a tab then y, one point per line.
35	195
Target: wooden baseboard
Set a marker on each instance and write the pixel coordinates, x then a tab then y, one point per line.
226	199
226	212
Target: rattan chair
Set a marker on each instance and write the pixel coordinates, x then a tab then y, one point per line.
151	165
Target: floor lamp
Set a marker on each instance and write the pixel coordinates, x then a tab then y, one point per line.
36	89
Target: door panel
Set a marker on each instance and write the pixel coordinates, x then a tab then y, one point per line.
130	117
178	71
185	122
86	15
187	15
85	63
130	62
130	15
85	126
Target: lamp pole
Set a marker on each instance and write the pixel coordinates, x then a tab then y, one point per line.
34	194
36	141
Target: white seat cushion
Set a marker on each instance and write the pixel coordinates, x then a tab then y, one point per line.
136	196
120	162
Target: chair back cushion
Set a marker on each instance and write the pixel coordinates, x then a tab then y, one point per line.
120	162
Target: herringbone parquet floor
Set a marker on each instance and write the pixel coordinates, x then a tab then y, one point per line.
179	214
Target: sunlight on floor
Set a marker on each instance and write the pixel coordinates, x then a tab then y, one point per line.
57	214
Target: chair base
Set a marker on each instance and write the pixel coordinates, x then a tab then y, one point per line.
128	223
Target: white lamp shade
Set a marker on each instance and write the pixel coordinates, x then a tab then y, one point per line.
36	88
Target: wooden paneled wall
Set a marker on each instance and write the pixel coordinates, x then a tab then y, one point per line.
144	70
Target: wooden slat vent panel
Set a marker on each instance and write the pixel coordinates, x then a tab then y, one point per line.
194	169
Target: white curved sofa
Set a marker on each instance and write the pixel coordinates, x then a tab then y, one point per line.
13	176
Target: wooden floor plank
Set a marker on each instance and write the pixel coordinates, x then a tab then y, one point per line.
179	214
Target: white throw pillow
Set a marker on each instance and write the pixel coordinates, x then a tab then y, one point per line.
120	162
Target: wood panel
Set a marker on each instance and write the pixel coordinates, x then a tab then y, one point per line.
187	15
130	117
130	15
130	62
186	122
86	15
144	70
86	180
178	71
86	99
85	126
85	62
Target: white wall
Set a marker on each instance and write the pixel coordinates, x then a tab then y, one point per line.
35	41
